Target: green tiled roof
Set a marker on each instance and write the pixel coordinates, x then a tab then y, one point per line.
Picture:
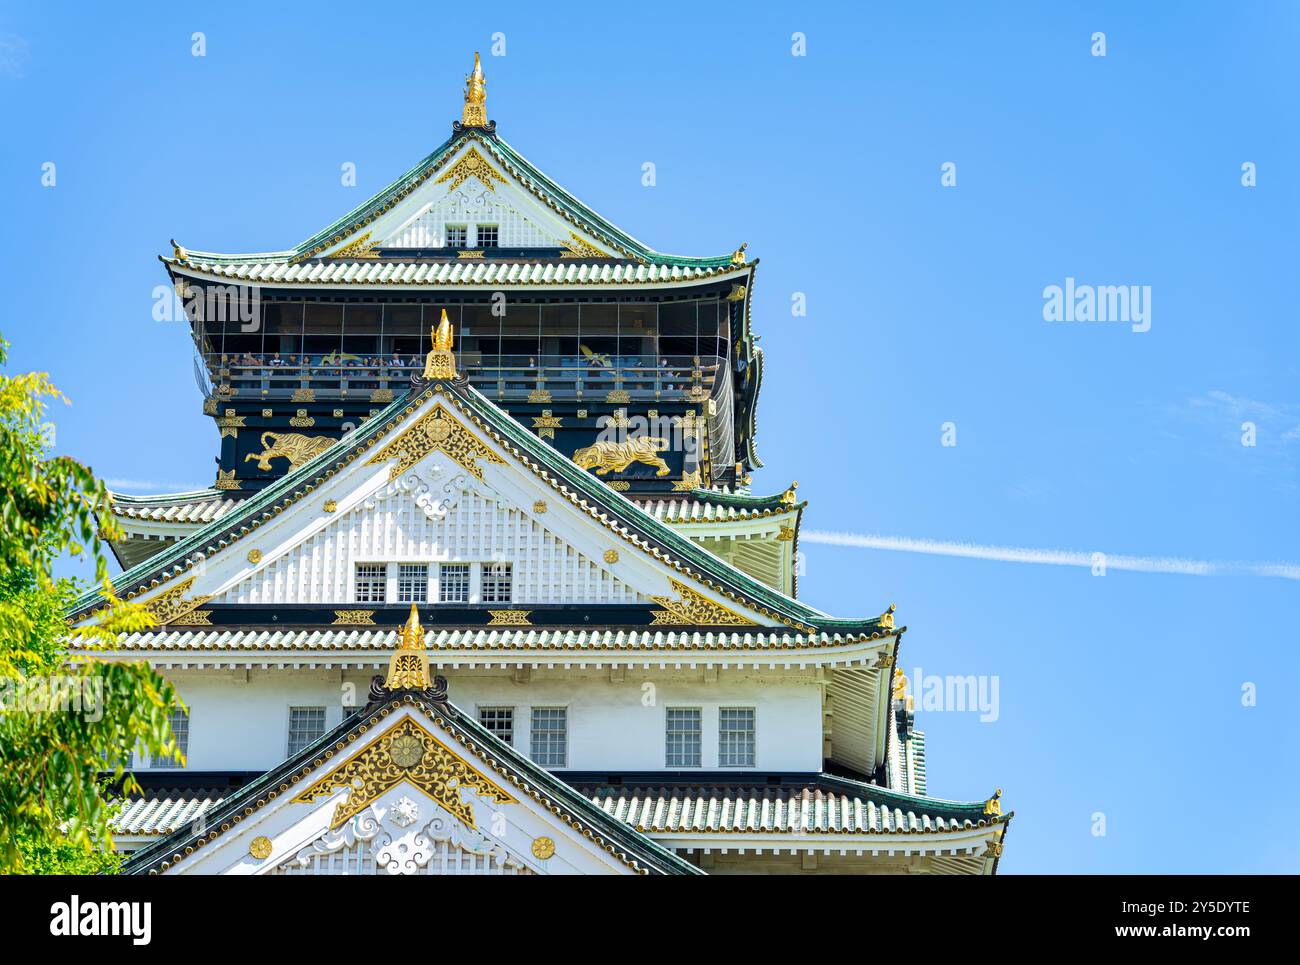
765	643
829	805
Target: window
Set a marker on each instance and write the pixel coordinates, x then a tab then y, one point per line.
453	583
372	583
456	235
487	236
736	737
500	721
180	722
682	737
413	583
496	582
306	724
551	736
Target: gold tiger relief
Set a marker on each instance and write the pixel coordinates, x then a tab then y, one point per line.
293	446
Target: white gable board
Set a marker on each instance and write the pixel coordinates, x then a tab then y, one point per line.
464	522
473	188
360	813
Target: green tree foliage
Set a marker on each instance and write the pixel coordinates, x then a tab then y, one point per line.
68	720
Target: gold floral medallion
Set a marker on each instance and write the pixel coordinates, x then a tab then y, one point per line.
543	848
405	750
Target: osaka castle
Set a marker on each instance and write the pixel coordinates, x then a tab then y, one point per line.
481	586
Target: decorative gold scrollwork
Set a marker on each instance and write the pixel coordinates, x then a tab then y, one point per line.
408	753
438	431
171	605
471	164
694	609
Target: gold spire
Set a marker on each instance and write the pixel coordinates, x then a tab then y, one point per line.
475	113
409	667
440	363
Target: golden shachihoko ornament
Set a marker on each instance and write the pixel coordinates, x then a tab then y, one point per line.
408	669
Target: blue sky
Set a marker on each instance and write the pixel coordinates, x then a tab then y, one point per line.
1119	694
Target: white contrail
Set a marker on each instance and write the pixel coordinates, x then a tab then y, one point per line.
1046	557
150	486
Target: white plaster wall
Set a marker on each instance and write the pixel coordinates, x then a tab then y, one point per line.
239	724
475	529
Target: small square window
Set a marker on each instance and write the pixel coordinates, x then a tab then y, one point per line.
453	583
180	722
371	583
496	582
550	738
306	725
683	737
736	737
413	583
456	235
500	721
487	236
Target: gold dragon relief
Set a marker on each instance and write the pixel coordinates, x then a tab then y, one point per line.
294	446
607	456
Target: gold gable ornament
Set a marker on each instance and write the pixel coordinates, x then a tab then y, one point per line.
886	619
408	668
437	431
406	754
475	112
993	806
440	363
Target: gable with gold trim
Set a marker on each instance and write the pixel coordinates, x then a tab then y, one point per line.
442	444
407	786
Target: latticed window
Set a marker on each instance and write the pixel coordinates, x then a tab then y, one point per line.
736	737
413	583
500	721
180	722
453	583
371	583
488	235
496	582
306	724
683	737
550	738
456	235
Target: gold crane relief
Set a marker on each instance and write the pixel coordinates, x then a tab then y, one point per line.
605	456
293	446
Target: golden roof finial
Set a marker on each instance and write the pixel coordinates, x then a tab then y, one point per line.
408	669
738	256
789	497
993	806
900	684
440	363
887	618
475	113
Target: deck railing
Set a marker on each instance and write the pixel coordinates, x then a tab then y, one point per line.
638	377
